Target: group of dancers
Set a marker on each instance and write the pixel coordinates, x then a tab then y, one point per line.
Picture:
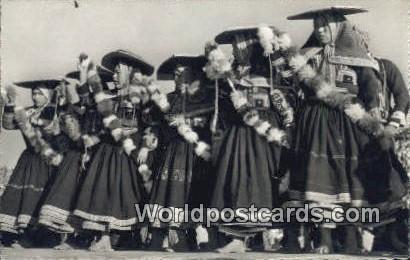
273	126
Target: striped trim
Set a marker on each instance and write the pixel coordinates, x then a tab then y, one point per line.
320	197
20	187
54	212
108	219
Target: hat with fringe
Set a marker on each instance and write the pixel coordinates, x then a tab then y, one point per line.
111	59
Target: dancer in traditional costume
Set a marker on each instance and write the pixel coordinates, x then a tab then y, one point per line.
79	123
340	140
112	185
35	170
255	116
183	174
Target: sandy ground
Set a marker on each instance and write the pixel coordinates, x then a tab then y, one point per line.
6	254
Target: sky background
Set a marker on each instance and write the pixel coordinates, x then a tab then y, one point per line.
43	38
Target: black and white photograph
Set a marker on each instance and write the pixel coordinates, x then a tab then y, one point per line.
204	129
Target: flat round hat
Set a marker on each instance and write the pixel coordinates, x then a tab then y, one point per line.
167	68
111	59
341	10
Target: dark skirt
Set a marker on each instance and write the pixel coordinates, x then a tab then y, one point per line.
111	188
337	163
25	192
182	178
56	211
246	170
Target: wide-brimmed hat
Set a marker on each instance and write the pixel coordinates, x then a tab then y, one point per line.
111	59
338	10
228	36
40	83
167	68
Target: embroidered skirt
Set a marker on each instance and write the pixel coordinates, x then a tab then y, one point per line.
110	190
56	211
246	172
338	164
182	178
25	192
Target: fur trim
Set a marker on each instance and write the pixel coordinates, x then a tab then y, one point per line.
297	62
238	99
251	118
284	41
107	121
202	149
98	97
152	88
128	145
335	99
56	160
191	137
276	135
263	127
267	39
90	141
218	66
143	155
143	168
116	134
400	117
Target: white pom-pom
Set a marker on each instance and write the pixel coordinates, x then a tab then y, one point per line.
324	90
107	121
297	62
47	152
162	102
143	168
266	39
152	88
128	145
183	129
251	119
262	128
57	159
306	73
355	112
191	136
116	134
202	150
284	41
400	116
135	100
238	99
99	97
275	135
143	155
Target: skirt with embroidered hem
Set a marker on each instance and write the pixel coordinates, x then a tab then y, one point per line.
25	192
181	182
338	163
246	167
58	206
111	188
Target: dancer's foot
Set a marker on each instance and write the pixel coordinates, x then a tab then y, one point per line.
322	250
235	246
64	246
103	244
